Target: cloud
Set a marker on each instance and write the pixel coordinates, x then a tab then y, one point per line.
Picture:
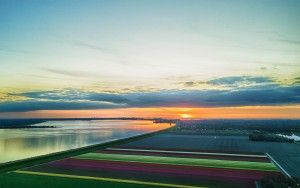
9	50
66	72
234	80
72	73
90	46
289	41
189	84
33	105
219	98
72	94
297	80
72	99
193	83
263	68
108	51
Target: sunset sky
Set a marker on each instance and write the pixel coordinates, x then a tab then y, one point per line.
159	58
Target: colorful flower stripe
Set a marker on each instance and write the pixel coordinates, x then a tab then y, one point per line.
206	156
190	152
243	165
155	168
181	179
187	150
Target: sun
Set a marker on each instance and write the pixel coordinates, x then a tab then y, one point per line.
185	116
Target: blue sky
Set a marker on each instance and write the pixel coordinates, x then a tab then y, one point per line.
151	48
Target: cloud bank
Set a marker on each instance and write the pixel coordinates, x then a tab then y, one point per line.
258	91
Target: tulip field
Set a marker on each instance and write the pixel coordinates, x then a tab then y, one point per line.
121	168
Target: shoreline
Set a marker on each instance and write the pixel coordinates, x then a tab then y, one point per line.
32	161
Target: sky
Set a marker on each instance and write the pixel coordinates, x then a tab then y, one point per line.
159	58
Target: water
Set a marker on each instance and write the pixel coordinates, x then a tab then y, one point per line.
18	144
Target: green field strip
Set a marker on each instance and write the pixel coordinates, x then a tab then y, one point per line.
122	181
187	152
211	163
18	180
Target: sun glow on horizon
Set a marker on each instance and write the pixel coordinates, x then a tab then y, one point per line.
186	116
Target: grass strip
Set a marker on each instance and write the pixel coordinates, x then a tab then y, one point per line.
108	179
212	163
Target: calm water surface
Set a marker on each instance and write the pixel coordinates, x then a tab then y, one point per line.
18	144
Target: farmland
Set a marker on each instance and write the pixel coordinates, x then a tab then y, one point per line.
287	153
166	159
146	170
212	163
